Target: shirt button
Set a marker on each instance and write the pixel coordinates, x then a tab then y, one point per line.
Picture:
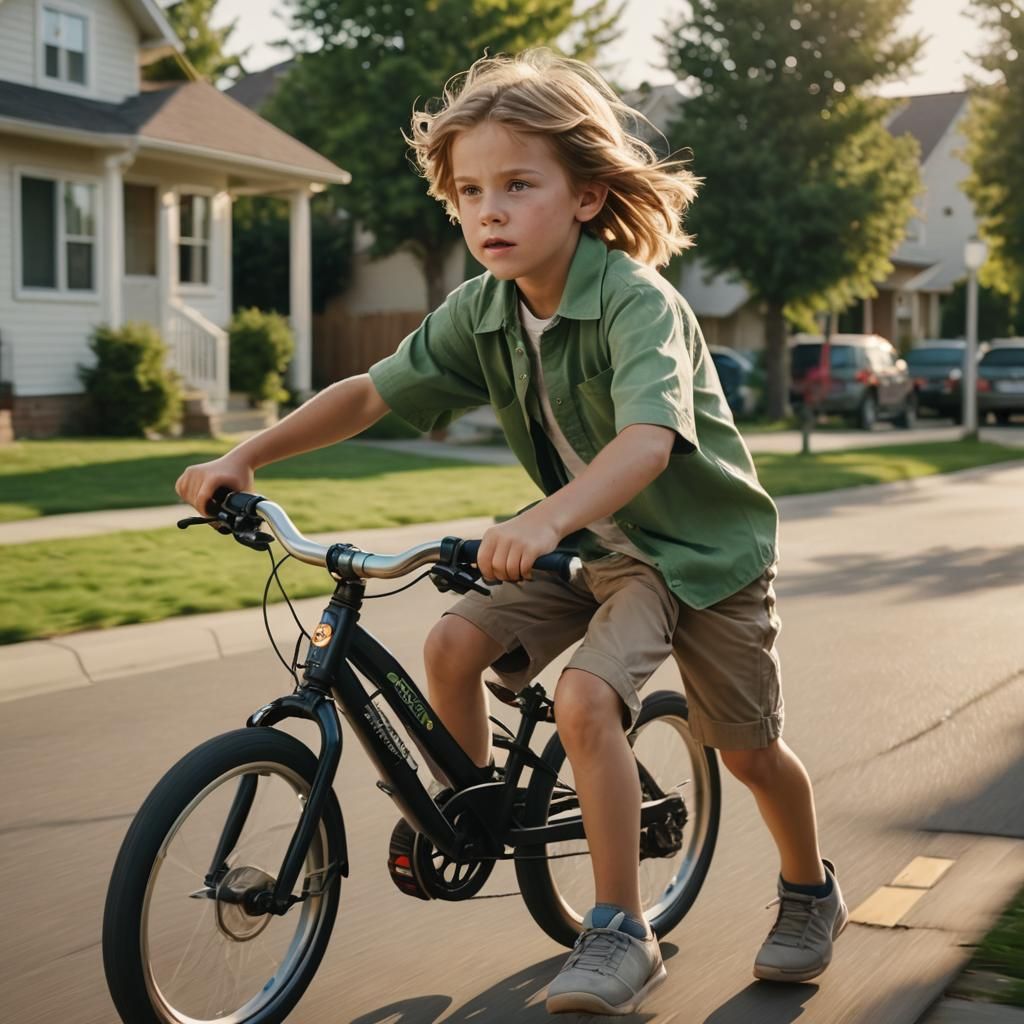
519	351
522	376
558	401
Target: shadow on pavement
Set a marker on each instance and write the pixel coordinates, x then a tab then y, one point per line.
766	1003
518	999
939	572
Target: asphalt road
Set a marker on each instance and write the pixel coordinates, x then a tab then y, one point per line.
903	653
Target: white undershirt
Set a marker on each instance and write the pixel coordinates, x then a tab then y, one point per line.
610	536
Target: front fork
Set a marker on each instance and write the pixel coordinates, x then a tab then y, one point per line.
311	704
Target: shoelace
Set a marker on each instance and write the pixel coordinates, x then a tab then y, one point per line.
795	913
599	949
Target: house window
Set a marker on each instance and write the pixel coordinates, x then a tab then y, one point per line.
194	240
58	234
64	56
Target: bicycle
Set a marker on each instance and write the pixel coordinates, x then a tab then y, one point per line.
225	889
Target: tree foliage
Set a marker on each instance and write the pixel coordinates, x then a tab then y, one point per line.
994	128
261	247
806	193
351	94
204	45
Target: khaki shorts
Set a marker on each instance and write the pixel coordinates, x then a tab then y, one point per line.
630	622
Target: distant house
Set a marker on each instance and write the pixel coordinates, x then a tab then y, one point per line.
925	266
116	201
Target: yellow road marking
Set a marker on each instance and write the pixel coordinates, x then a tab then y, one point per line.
923	872
885	906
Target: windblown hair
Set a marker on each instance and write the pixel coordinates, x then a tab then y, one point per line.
574	108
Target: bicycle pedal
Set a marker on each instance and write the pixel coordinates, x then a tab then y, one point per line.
400	861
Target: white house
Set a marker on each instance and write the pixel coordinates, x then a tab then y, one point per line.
115	201
925	266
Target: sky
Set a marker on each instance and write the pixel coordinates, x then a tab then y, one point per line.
941	69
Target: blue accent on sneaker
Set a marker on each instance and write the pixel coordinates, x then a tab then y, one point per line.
819	892
602	914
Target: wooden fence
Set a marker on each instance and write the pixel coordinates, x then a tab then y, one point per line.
345	344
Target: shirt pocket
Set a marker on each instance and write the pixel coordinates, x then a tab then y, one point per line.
596	408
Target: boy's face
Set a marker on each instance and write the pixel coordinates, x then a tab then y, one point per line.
519	212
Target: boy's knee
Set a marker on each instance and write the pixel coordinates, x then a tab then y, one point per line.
752	767
455	648
585	706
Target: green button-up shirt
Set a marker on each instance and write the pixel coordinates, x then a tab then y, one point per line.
624	347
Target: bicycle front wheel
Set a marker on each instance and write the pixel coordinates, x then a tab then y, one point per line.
556	880
181	944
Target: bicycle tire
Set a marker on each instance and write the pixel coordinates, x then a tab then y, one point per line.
536	873
164	814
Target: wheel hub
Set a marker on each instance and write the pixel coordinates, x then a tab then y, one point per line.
236	896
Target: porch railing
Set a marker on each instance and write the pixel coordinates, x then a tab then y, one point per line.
199	352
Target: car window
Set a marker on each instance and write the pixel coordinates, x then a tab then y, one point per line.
1003	357
919	358
808	355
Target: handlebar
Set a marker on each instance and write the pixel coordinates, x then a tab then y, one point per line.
237	511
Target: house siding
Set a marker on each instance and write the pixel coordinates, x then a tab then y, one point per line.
45	339
113	47
17	36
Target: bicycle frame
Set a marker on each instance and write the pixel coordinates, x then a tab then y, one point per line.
339	645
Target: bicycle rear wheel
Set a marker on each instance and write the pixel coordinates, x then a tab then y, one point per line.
180	946
556	880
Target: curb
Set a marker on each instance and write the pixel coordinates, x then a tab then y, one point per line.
965	1011
37	667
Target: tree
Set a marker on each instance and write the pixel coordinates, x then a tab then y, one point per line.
352	98
999	315
994	128
204	45
806	193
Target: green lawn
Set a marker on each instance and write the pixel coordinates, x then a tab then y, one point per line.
56	587
996	971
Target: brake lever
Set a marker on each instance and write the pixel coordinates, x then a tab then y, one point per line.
445	578
184	524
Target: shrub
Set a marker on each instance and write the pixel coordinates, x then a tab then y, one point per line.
261	348
130	390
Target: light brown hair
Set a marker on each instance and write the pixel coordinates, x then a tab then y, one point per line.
576	110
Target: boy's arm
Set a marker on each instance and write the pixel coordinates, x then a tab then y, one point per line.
619	472
338	412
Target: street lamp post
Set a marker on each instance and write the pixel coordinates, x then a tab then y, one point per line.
975	252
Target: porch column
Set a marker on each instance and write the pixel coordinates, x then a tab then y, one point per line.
301	294
934	317
167	255
112	273
869	327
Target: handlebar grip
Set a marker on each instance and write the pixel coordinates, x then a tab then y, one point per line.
559	563
216	502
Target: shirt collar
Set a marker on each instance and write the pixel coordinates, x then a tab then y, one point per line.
581	299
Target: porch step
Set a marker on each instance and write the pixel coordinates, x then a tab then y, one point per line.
241	418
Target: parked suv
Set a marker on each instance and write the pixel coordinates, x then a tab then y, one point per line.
937	369
1001	380
867	379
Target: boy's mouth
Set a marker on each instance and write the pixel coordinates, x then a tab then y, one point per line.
497	245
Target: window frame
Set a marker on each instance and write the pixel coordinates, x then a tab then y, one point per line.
60	293
207	287
43	80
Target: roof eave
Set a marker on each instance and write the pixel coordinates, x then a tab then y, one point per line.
337	177
161	32
38	130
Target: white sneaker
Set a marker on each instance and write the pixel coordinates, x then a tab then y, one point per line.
608	971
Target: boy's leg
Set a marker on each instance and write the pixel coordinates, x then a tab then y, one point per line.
780	785
455	656
589	716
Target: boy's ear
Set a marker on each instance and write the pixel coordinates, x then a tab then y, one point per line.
590	200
